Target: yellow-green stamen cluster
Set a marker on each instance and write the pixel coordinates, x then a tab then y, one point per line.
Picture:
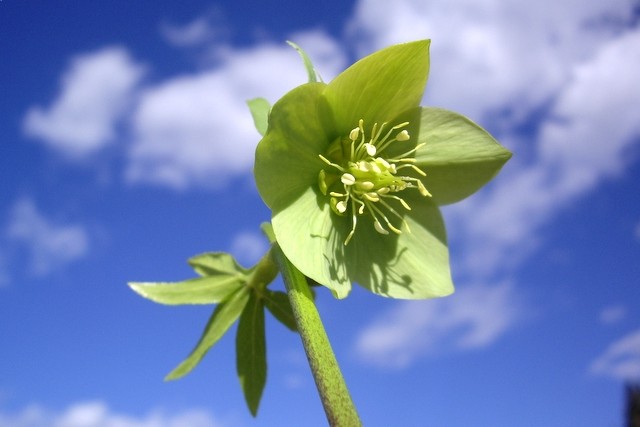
369	181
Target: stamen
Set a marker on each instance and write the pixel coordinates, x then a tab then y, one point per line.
371	149
379	212
378	227
322	182
353	135
364	185
369	183
327	161
348	179
403	136
414	167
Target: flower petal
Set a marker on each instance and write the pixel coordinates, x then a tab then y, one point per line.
287	161
459	156
412	265
380	86
312	237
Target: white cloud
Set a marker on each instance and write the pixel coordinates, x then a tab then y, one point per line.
249	247
98	414
502	62
591	127
474	317
492	54
50	245
612	314
573	60
195	33
197	130
621	360
95	92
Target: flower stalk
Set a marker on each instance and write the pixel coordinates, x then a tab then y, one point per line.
334	394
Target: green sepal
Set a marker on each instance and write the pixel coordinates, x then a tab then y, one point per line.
278	304
312	74
287	161
202	290
380	86
260	108
412	265
459	156
251	352
224	315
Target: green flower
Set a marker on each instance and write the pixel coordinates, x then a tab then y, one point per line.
354	172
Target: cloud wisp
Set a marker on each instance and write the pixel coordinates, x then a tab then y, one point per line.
50	245
564	69
621	360
248	247
476	317
98	414
196	130
95	92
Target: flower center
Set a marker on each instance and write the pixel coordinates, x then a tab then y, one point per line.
367	182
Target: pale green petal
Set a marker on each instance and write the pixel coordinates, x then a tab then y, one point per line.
306	232
459	156
412	265
380	86
287	161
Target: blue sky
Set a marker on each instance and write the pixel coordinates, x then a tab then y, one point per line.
126	148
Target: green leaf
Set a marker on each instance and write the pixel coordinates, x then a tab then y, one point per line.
267	230
308	65
279	305
225	314
459	156
260	108
251	352
380	86
203	290
215	264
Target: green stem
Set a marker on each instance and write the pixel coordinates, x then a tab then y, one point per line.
331	386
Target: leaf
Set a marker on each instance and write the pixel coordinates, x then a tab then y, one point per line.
279	305
260	108
225	314
251	352
203	290
267	230
216	263
459	156
308	65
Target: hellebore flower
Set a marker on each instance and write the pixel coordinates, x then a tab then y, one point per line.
354	172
